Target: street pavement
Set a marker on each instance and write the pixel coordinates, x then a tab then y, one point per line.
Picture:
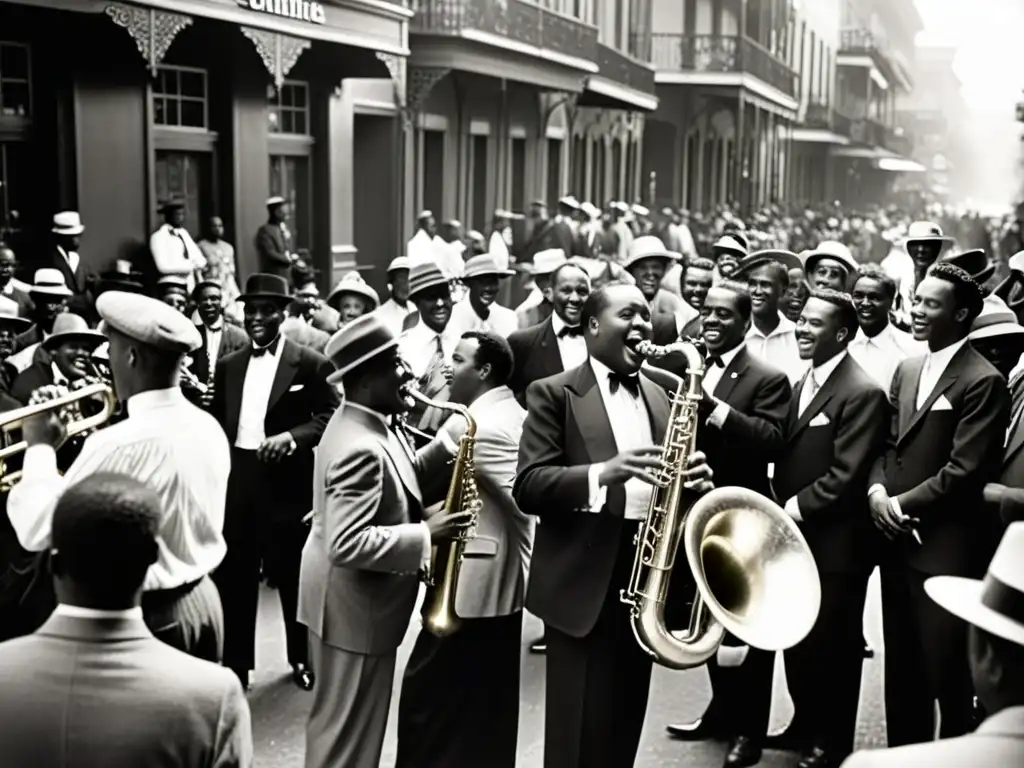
279	708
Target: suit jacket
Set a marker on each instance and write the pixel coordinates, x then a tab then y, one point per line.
493	578
938	460
826	463
358	583
301	402
85	693
273	251
533	315
997	743
565	432
536	355
232	339
77	281
37	375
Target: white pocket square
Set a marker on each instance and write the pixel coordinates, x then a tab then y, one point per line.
296	388
942	404
821	420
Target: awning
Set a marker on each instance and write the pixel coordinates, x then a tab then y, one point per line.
607	94
899	165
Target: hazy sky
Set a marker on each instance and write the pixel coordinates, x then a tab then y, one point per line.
988	34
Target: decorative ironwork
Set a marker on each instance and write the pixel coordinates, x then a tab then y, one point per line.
396	69
153	31
421	81
280	53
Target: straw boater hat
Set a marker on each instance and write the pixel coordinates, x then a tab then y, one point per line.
787	259
69	327
925	231
830	249
67	223
996	319
425	276
353	283
546	262
975	262
267	287
148	321
361	340
484	266
276	200
994	604
49	282
647	247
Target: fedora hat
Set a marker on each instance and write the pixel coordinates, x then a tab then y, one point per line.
9	318
975	262
830	249
647	247
67	223
362	339
925	231
397	263
484	266
995	603
353	283
268	287
49	282
425	276
996	319
731	243
71	327
173	283
546	262
757	259
173	204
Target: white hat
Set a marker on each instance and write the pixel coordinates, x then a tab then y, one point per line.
570	201
353	283
830	249
51	282
273	202
996	319
67	223
399	262
647	247
546	262
640	210
148	320
995	604
590	209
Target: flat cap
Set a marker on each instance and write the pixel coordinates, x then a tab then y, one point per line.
148	321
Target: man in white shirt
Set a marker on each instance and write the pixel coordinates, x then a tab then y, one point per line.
172	247
479	310
425	244
397	308
93	685
879	346
167	442
772	336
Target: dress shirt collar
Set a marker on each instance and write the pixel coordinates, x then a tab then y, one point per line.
884	337
557	323
8	290
154	399
215	328
423	333
274	347
59	378
939	361
489	398
823	371
368	411
785	326
604	373
728	357
78	612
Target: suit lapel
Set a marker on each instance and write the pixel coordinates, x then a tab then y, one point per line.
235	385
821	397
1016	440
393	449
949	376
908	392
731	375
591	417
287	367
551	358
657	407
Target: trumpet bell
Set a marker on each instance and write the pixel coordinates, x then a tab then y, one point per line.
753	568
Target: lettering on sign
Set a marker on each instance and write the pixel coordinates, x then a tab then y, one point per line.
300	10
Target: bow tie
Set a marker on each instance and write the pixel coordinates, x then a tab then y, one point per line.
630	383
271	348
715	361
570	331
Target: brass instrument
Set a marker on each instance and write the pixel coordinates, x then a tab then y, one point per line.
76	424
756	577
439	617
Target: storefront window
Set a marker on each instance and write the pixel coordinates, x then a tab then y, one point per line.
289	178
288	108
15	80
180	98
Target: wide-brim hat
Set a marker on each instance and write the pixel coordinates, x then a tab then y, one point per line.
70	327
397	263
266	287
355	285
994	604
361	340
730	244
925	231
425	276
830	249
484	265
748	264
10	319
975	262
996	319
67	223
546	262
50	282
647	247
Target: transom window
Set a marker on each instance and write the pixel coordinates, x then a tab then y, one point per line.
180	98
288	108
15	80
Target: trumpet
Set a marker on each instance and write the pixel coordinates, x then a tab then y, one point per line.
15	419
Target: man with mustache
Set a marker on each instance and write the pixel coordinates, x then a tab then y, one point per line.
951	411
879	346
479	310
740	431
834	430
366	546
590	445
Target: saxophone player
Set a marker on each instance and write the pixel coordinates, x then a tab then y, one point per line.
589	449
475	719
358	581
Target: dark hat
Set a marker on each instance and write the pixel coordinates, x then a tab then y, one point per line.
174	204
121	278
975	262
362	339
749	263
71	327
424	276
265	286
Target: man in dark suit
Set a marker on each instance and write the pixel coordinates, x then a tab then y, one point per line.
835	429
951	411
274	241
67	233
273	401
16	298
219	340
589	447
741	432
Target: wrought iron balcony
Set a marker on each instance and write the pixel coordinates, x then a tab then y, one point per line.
855	40
624	70
824	117
722	53
868	131
517	20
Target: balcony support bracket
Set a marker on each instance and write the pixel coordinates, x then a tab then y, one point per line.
153	31
421	81
279	53
396	66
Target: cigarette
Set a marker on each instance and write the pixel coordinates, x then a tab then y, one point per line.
916	535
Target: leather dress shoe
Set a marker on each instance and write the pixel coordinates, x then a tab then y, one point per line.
303	676
819	758
701	729
789	740
743	752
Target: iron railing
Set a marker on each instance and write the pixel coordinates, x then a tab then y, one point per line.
620	68
722	53
824	117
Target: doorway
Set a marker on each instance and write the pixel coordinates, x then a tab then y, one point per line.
375	220
289	178
187	177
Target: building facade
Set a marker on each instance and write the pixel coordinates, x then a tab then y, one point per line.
110	108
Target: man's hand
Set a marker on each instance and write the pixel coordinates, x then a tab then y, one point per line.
275	448
46	428
885	518
698	473
640	463
993	493
445	526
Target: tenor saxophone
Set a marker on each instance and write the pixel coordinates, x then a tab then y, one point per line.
439	616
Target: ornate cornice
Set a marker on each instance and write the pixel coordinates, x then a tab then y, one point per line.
153	31
280	53
396	66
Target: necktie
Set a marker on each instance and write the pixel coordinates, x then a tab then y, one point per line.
630	383
433	380
809	391
572	331
184	245
271	348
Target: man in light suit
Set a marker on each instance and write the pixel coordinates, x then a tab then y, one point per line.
992	608
951	410
368	544
93	686
449	715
